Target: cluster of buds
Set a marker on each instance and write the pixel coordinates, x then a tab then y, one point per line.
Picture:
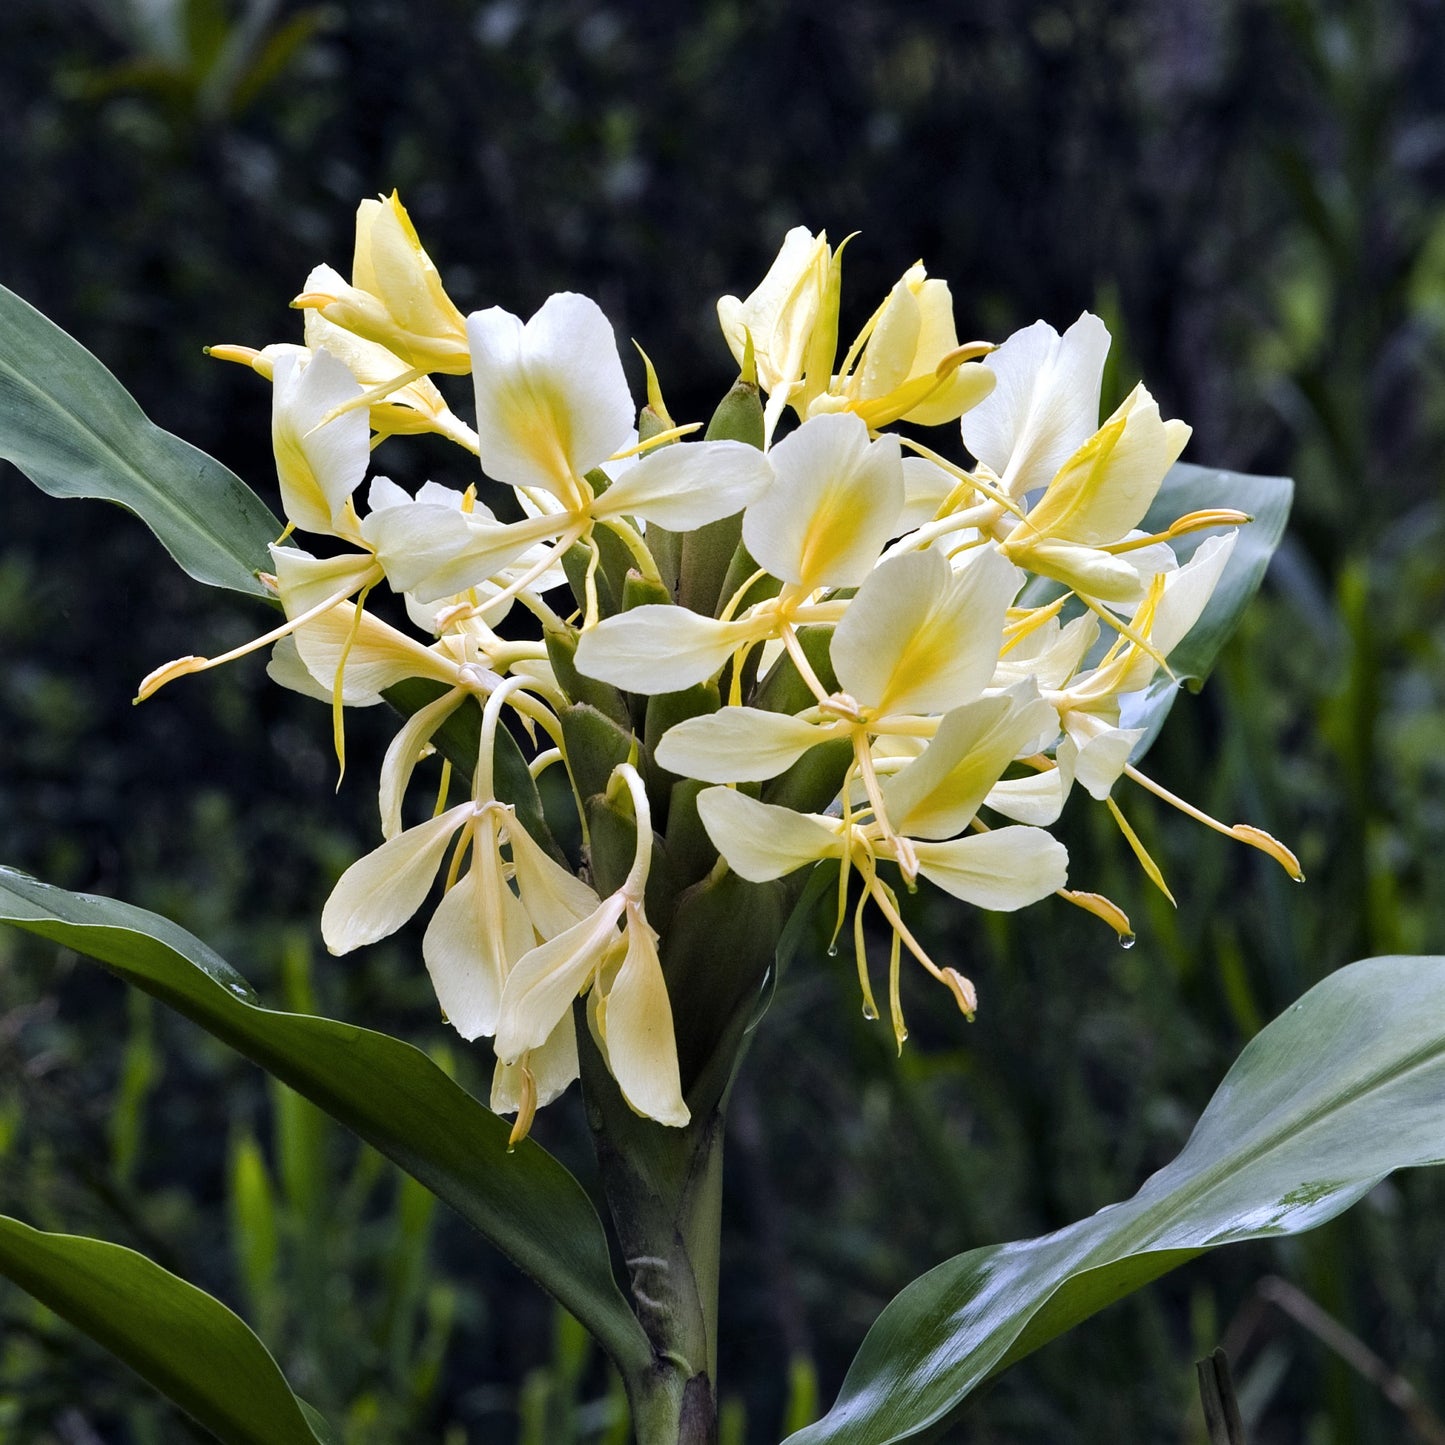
839	646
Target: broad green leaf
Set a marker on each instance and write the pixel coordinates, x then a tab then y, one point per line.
1191	489
175	1336
385	1090
75	431
1339	1091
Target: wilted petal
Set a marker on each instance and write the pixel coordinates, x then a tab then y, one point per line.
543	983
479	928
405	751
554	897
553	1067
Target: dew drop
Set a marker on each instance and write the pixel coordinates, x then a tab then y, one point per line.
1126	940
869	1011
833	950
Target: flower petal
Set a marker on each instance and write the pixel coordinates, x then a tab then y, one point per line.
542	984
552	398
1002	870
1044	405
834	505
762	841
636	1017
553	1067
554	897
379	892
658	648
737	745
921	637
318	466
689	485
478	930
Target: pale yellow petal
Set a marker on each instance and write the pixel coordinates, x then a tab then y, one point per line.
1002	870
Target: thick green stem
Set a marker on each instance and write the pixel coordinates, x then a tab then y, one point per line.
664	1190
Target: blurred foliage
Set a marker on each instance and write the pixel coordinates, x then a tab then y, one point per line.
1250	191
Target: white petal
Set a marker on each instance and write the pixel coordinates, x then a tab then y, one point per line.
553	1067
318	466
1044	405
1038	798
936	796
552	398
658	648
833	507
921	637
304	581
686	486
926	486
1003	870
554	897
1100	753
542	984
479	928
641	1045
1106	486
379	892
762	841
404	753
1187	592
736	745
377	655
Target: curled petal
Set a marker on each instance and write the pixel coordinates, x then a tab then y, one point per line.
553	1067
543	983
637	1022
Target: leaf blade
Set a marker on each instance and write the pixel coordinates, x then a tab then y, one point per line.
181	1340
1338	1092
381	1088
75	431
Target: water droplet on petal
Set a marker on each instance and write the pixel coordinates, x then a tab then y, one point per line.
1126	940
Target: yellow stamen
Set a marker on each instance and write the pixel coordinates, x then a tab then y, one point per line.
338	688
184	666
526	1109
443	788
1242	832
986	489
661	439
1190	522
1149	866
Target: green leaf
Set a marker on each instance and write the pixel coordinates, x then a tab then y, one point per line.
1335	1094
1189	489
385	1090
75	431
175	1336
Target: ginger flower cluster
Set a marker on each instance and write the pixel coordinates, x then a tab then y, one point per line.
757	651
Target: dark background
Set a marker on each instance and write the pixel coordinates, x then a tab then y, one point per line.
1253	196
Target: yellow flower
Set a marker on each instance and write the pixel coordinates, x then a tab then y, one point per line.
395	297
